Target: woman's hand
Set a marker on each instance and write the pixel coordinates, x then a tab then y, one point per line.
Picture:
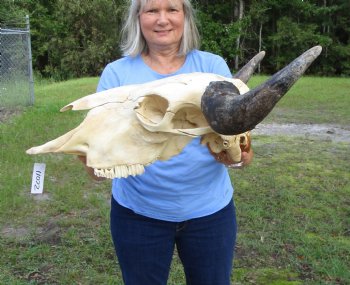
247	157
223	157
82	158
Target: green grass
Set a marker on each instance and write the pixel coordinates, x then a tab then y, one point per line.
293	202
15	91
313	100
293	207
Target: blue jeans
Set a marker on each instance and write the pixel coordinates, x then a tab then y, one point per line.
145	246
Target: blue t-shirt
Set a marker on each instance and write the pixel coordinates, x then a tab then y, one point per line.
189	185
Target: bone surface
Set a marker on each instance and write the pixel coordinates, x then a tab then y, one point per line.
130	127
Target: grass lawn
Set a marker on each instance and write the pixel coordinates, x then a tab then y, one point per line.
293	202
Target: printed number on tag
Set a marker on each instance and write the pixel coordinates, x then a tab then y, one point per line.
38	178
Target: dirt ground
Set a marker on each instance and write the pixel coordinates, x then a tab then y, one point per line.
326	132
6	114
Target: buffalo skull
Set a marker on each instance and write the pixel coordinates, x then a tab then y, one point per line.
130	127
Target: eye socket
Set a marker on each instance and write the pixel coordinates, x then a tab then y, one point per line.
152	109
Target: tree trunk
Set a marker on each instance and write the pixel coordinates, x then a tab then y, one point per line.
260	41
238	40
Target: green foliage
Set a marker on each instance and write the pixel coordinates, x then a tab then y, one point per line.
72	38
11	15
218	37
86	38
291	39
77	38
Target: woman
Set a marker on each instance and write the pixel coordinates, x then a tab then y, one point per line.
187	200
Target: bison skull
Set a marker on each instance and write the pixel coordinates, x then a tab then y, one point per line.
130	127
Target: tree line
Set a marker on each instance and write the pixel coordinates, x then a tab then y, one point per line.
78	38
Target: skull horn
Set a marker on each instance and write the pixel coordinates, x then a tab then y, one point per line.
229	113
247	71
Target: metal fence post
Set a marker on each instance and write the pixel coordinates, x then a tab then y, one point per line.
30	64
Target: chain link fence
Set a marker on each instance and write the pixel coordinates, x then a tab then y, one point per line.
16	74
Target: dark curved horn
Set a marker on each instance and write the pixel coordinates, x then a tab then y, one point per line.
247	71
229	113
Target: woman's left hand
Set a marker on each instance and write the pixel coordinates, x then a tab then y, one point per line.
247	157
223	157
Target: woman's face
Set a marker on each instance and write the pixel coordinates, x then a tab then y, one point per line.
162	23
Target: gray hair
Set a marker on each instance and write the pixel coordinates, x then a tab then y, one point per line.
133	42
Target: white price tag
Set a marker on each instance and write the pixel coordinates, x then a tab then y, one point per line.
38	178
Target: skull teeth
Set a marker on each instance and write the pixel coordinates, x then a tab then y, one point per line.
120	171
